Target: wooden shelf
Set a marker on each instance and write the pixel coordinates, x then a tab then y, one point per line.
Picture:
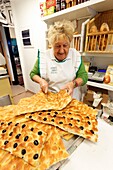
100	85
86	9
77	35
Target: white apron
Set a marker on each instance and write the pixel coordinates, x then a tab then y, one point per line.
56	73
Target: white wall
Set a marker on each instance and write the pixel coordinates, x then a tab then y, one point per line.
26	15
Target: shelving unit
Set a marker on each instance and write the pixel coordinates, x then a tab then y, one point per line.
77	42
84	10
100	85
99	33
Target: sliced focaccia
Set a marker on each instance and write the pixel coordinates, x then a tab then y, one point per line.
23	142
77	118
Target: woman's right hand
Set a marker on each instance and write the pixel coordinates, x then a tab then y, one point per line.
43	85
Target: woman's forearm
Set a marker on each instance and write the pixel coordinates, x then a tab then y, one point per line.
78	82
36	78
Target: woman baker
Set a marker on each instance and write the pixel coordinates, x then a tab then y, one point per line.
60	67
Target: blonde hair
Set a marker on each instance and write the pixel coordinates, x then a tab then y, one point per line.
61	29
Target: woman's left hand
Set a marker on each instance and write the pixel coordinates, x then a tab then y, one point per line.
69	87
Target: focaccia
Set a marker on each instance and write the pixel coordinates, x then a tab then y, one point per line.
37	102
42	101
7	112
23	142
34	128
11	162
73	119
53	151
68	136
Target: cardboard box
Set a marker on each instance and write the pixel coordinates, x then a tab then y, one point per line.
88	99
89	95
97	89
105	98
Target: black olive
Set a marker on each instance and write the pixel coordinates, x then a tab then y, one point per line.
48	113
2	123
89	122
87	117
81	127
35	156
52	120
56	113
71	118
26	138
70	113
32	129
45	119
60	122
33	113
17	136
40	113
64	117
23	126
23	152
30	116
43	110
78	120
3	131
92	131
15	145
49	110
36	142
9	123
5	143
70	124
10	134
16	124
40	133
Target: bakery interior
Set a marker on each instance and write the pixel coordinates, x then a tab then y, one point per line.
23	30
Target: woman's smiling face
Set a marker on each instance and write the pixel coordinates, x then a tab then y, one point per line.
61	49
